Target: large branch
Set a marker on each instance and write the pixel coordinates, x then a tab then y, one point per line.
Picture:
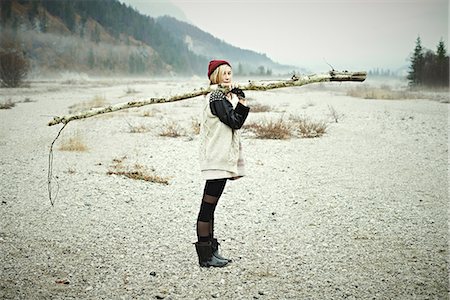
258	86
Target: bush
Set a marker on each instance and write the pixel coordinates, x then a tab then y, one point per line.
74	143
171	129
14	65
138	128
257	107
279	130
8	104
136	172
196	126
308	128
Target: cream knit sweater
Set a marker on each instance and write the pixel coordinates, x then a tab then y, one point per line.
219	144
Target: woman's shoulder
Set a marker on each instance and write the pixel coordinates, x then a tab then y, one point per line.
216	95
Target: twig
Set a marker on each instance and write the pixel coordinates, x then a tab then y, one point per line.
332	69
50	169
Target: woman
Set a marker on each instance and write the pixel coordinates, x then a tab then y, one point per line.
224	112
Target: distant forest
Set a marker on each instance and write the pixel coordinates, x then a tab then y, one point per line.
118	38
108	37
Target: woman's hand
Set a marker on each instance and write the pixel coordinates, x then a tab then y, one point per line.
228	85
243	101
238	92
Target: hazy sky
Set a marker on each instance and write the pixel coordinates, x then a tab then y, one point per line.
351	34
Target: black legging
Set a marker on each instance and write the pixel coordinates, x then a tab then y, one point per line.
205	221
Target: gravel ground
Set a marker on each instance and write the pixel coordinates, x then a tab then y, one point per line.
359	213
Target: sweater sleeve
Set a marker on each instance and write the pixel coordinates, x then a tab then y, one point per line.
223	109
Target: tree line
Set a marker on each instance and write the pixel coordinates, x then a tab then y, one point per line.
429	68
119	20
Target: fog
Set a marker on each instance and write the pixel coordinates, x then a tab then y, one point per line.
354	34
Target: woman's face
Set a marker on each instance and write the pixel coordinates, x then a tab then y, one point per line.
227	75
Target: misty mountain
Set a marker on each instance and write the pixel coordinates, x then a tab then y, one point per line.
205	44
157	9
108	37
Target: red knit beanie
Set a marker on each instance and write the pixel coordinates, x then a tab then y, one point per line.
214	64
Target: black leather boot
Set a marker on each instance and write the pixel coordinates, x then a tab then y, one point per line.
206	257
215	249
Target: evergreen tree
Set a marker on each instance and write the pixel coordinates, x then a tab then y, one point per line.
131	64
54	7
240	70
428	75
417	64
442	64
95	35
43	22
91	59
5	8
261	70
33	12
68	15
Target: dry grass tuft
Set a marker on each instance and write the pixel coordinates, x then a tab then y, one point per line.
138	128
74	143
97	101
8	104
195	126
130	90
150	113
384	92
308	128
171	129
278	130
71	171
136	172
258	107
28	100
334	115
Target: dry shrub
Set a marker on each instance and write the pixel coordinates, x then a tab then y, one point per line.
257	107
278	130
150	113
308	128
131	90
195	126
73	143
138	128
97	101
384	92
14	65
171	129
308	104
136	172
8	104
334	115
71	171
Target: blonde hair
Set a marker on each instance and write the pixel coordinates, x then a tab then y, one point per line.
217	76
